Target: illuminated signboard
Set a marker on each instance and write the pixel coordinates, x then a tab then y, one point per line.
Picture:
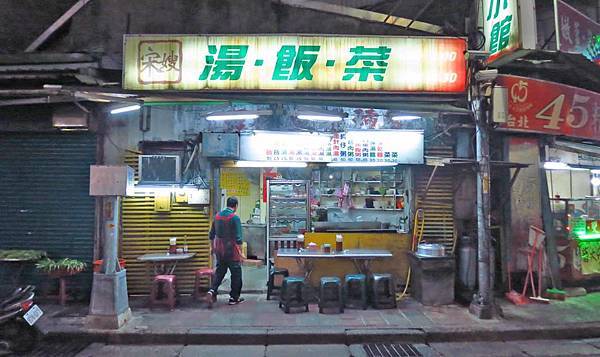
295	63
509	27
550	108
388	146
577	33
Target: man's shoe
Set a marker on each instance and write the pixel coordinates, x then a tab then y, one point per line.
233	301
210	298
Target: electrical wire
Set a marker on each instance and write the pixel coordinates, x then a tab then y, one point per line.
415	240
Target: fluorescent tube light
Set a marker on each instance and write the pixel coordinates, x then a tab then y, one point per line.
128	108
270	164
360	164
238	115
552	165
231	117
319	117
405	117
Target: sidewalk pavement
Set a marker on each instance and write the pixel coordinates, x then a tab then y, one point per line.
260	322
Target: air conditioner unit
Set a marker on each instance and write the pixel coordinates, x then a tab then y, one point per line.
70	118
159	169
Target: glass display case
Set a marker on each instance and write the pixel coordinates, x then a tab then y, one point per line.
374	193
576	223
287	213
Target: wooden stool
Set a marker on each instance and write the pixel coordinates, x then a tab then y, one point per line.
164	285
200	274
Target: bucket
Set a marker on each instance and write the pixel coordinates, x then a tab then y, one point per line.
98	264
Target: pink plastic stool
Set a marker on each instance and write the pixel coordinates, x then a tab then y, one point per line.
202	273
164	285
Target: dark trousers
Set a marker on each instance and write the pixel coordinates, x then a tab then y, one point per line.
236	277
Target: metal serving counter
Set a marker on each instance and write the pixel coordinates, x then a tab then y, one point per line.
255	235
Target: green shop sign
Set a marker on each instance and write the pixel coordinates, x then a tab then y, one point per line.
294	62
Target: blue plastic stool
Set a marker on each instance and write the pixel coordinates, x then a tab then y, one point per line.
383	291
355	291
330	294
292	293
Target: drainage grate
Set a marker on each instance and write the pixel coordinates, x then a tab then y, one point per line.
57	349
390	350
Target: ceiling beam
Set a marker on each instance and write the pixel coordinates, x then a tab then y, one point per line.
364	15
56	25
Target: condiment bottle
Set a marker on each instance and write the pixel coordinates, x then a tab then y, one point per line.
339	242
300	241
173	245
326	248
185	246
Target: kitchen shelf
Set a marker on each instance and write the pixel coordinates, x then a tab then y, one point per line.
295	218
373	195
297	198
379	209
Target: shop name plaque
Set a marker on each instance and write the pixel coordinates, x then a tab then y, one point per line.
294	63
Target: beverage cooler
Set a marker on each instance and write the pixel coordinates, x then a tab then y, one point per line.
288	213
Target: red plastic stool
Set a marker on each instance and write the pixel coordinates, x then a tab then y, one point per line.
202	273
164	285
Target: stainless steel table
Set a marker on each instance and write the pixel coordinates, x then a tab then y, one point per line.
361	258
164	263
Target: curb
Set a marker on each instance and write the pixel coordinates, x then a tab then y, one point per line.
321	335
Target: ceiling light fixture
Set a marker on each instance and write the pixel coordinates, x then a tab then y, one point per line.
360	164
553	165
405	117
128	108
319	114
238	115
270	164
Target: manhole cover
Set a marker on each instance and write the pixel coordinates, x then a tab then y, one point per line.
390	350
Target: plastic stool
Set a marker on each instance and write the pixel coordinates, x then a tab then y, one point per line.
383	291
200	274
164	285
273	272
355	291
330	293
292	293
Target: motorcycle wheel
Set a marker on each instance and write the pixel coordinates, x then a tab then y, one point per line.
19	336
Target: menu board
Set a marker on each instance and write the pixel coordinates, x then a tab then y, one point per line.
396	146
235	182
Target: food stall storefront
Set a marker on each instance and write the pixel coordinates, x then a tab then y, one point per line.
355	186
301	108
573	173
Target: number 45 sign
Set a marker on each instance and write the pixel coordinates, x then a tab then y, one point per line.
551	108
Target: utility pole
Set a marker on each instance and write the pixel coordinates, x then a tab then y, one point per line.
482	304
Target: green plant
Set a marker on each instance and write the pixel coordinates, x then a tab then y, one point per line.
21	254
66	264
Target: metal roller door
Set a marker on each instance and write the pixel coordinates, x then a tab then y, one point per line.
44	197
146	231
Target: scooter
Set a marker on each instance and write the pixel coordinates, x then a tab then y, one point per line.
18	315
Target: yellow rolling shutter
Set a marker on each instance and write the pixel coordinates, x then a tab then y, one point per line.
146	231
438	205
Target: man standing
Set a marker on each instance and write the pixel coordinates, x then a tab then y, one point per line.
226	238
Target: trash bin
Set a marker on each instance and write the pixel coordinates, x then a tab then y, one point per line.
432	278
